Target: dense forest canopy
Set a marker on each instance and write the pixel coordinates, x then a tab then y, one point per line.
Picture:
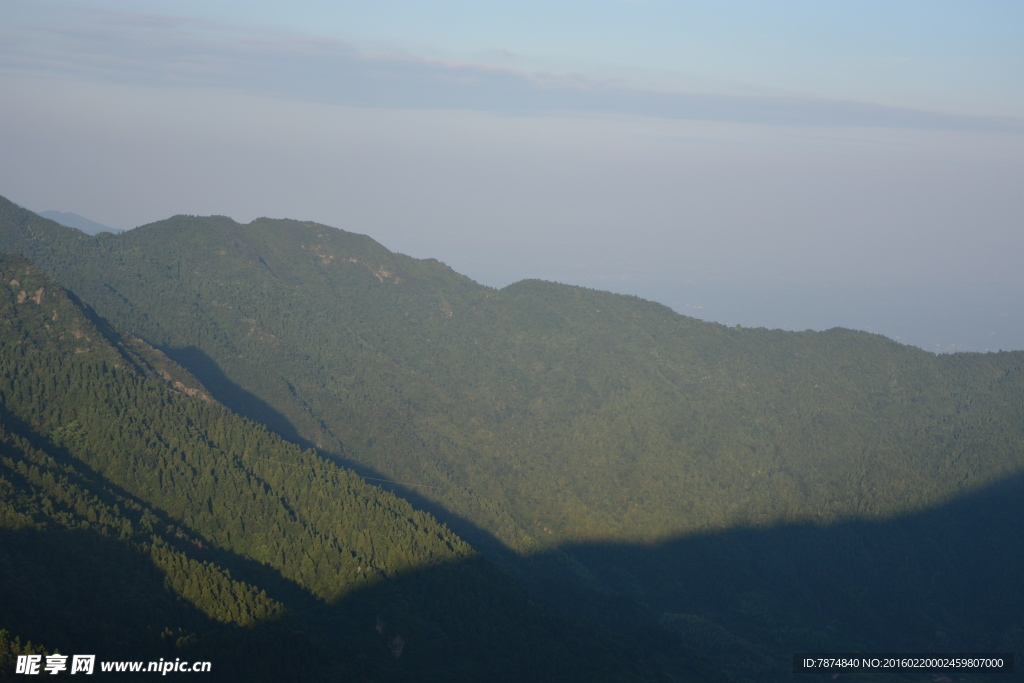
543	410
619	458
140	519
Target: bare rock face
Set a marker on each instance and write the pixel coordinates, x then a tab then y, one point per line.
37	297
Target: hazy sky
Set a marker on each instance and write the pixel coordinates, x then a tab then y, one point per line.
775	143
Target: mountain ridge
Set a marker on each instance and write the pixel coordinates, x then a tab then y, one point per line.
204	536
540	419
425	336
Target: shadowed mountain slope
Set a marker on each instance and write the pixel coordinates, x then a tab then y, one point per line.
945	579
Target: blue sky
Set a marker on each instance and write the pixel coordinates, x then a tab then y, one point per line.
868	62
641	146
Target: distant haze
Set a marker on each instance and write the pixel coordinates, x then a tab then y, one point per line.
807	165
73	220
942	319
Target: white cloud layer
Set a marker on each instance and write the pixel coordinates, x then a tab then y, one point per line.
147	49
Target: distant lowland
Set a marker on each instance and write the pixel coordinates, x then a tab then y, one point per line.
281	447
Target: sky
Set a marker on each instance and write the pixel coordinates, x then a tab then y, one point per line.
795	164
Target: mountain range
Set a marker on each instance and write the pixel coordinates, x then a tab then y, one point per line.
656	497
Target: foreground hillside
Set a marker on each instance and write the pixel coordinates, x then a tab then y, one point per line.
141	520
579	427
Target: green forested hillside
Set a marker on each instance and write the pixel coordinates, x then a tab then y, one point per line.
553	420
139	521
543	412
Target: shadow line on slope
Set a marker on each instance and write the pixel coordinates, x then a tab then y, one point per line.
243	402
277	586
230	394
77	589
944	579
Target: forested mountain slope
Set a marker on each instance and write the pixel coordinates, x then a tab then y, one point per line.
543	412
139	519
606	438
